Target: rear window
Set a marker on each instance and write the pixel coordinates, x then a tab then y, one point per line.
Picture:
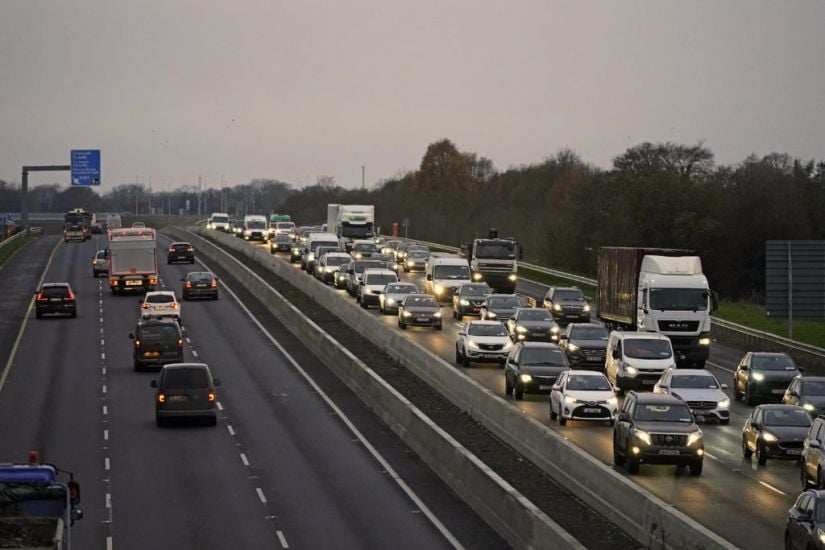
220	219
185	378
165	333
159	299
380	279
200	277
55	292
181	246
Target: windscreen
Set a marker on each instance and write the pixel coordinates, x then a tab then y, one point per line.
359	267
356	231
535	315
337	260
589	333
380	279
503	303
420	301
401	289
220	219
813	387
364	247
284	225
542	356
588	383
256	224
478	329
663	413
496	250
315	244
159	299
772	362
451	272
787	417
185	378
678	299
569	295
476	290
694	381
641	348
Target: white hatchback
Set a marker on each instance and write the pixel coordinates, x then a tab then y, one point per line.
160	303
583	395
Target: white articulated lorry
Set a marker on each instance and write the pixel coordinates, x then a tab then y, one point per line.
351	222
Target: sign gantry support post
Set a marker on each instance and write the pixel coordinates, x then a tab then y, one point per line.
24	187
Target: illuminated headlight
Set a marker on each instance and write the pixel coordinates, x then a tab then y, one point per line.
366	290
694	437
476	276
723	404
296	251
758	376
437	314
358	256
704	341
407	314
572	347
808	407
389	301
613	401
464	302
438	289
521	329
410	263
586	308
209	226
310	257
322	269
525	378
247	232
554	329
630	370
394	266
643	436
820	534
491	314
472	344
569	399
769	437
512	277
557	307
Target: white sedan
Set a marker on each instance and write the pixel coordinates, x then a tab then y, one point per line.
583	395
160	303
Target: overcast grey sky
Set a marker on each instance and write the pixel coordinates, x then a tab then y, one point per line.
295	89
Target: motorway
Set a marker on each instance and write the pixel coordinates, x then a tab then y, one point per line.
744	503
282	469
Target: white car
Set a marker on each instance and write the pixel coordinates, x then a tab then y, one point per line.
583	395
160	303
699	389
482	342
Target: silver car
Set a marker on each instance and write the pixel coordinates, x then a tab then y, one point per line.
100	263
699	389
393	295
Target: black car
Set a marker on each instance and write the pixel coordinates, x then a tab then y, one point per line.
55	298
806	522
567	304
657	428
419	310
499	307
468	299
775	431
280	243
533	324
585	345
533	367
156	343
200	284
180	252
808	392
763	376
341	276
185	391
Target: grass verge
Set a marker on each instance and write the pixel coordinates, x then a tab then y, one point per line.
753	316
6	252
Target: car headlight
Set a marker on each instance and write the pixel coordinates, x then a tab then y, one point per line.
310	257
525	378
808	407
521	329
769	437
394	266
586	308
704	341
438	289
557	307
390	301
630	370
643	436
471	344
437	314
758	376
723	404
410	263
572	347
512	277
358	256
464	302
820	534
612	400
476	276
554	329
491	314
366	290
694	437
570	399
407	314
322	269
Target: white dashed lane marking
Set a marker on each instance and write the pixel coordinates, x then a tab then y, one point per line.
244	460
261	495
218	404
105	410
106	464
282	539
194	353
105	435
772	488
231	431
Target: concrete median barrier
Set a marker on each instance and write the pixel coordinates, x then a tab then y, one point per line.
497	502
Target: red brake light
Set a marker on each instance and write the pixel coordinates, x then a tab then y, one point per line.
188	284
144	305
174	305
70	297
171	250
42	297
189	249
214	283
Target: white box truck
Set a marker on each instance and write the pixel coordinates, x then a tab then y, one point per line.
350	222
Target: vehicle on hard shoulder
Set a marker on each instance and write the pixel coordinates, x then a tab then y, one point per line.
372	286
568	304
469	298
636	360
533	323
482	342
199	284
180	252
160	303
653	428
55	299
533	367
808	392
185	391
100	262
762	377
393	295
585	345
701	391
583	395
419	310
156	342
775	431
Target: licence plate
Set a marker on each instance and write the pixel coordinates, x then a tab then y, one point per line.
777	391
151	354
794	452
423	319
181	257
545	387
134	283
177	398
490	355
668	452
539	334
649	382
56	299
592	410
201	286
476	309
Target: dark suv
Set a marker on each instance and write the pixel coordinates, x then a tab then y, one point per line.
657	429
157	342
55	298
567	304
764	376
185	391
585	345
469	298
180	252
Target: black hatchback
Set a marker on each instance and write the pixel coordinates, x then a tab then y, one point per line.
56	298
200	284
180	252
185	391
157	342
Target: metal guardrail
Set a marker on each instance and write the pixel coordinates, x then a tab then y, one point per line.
12	238
722	323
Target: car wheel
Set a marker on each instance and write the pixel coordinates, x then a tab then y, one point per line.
439	326
403	325
38	314
803	476
138	367
562	419
696	467
465	361
216	296
820	482
632	465
761	455
749	400
725	421
455	315
213	421
160	422
457	355
363	303
553	414
618	458
73	314
612	421
518	392
746	452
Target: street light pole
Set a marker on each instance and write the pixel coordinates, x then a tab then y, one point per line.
362	177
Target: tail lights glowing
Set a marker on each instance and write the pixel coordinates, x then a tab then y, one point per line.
137	343
188	284
180	342
42	297
214	283
145	305
211	397
70	297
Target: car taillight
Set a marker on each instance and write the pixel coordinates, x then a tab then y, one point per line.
144	305
174	305
137	343
214	283
113	282
42	297
172	250
153	280
211	396
93	262
70	297
180	342
161	398
188	284
189	249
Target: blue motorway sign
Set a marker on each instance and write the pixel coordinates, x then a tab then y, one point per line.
85	166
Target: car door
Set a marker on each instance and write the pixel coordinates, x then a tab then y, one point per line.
742	374
557	392
622	428
754	428
462	336
810	453
800	523
511	366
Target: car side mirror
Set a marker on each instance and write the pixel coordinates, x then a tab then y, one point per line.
131	336
756	426
623	417
216	381
743	367
663	386
814	444
793	394
564	337
724	386
556	387
74	493
153	384
429	276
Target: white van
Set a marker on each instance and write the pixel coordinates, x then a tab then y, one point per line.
372	285
218	221
636	360
444	274
254	228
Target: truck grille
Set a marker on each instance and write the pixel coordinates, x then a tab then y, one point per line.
668	440
679	326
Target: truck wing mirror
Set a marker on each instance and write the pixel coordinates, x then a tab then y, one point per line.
714	301
429	277
615	354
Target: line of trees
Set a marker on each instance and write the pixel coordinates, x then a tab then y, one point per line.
561	210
